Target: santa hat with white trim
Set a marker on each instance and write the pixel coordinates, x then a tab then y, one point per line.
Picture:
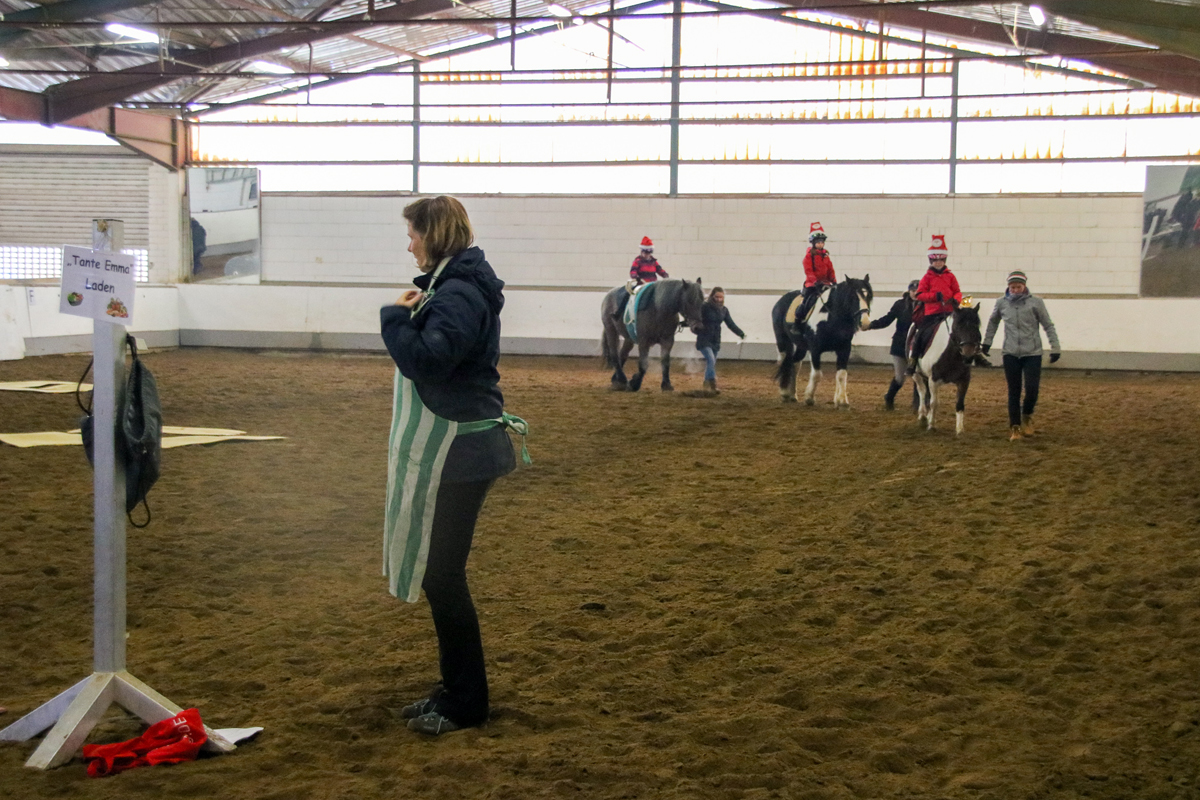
647	245
938	248
815	231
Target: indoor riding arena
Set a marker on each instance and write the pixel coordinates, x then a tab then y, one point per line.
720	593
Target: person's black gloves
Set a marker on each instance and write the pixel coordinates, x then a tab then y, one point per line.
1055	357
939	297
987	349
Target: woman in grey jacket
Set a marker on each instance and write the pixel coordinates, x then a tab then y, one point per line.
1022	313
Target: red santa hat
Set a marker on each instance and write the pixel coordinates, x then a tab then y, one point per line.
815	230
938	248
647	245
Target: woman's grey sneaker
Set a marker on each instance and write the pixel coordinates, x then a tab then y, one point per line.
432	723
414	710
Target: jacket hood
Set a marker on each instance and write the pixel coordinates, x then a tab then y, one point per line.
471	266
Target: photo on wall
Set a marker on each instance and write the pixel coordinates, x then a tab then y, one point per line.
1171	232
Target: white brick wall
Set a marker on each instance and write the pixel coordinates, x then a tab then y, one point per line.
1080	245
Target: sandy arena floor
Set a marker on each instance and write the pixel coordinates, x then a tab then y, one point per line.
683	598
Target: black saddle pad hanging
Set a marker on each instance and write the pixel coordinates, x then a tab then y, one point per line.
138	434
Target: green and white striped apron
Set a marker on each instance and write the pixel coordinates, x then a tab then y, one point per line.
417	451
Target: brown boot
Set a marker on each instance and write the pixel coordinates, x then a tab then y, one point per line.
1027	424
711	387
1016	434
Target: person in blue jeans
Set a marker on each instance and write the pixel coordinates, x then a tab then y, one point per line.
713	315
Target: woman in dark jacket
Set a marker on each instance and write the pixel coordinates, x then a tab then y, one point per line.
713	314
448	445
901	314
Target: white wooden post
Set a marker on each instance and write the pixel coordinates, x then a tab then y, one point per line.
72	714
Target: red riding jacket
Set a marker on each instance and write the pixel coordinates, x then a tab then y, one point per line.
934	282
818	268
647	270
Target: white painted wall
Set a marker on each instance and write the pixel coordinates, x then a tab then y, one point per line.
332	260
1079	245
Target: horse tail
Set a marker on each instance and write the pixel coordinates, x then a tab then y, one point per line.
608	349
783	343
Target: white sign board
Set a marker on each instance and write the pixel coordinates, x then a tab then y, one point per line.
97	284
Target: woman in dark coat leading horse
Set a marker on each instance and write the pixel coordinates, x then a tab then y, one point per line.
901	313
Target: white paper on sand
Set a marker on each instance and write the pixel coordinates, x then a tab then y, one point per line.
236	735
46	387
182	436
46	439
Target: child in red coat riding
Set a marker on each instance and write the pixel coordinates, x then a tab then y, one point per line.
938	295
818	270
646	268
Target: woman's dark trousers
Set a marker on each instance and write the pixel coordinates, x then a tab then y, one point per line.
463	695
1030	369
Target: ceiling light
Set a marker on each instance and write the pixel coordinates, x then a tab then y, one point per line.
557	10
3	62
1039	16
132	34
274	69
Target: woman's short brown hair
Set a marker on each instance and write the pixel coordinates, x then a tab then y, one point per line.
442	224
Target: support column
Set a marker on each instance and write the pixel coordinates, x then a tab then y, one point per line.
676	46
953	126
416	127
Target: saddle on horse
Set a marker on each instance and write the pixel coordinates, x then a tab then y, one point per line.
805	304
920	336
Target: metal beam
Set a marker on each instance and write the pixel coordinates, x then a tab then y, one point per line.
66	11
159	137
1172	27
67	100
1167	71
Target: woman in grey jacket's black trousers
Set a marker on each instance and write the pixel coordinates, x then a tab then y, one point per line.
1023	315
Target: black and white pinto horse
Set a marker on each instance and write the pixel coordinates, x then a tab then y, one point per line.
846	310
660	306
948	359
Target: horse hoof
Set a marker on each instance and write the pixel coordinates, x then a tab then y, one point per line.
668	388
787	398
808	401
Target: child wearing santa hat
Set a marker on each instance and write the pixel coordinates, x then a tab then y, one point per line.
646	268
938	295
818	270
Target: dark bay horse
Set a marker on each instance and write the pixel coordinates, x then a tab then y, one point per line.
948	359
660	306
847	310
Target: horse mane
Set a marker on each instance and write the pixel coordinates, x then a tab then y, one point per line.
843	300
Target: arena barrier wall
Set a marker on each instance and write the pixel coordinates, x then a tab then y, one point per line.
331	260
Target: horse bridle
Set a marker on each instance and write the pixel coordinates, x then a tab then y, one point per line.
959	343
858	314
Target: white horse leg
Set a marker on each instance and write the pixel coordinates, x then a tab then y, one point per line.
841	394
958	422
814	378
922	384
933	402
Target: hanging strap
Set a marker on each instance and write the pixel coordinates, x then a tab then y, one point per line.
428	294
513	423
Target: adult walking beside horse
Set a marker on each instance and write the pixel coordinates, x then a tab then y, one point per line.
1022	313
650	317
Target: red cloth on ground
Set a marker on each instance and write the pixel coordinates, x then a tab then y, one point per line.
171	741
